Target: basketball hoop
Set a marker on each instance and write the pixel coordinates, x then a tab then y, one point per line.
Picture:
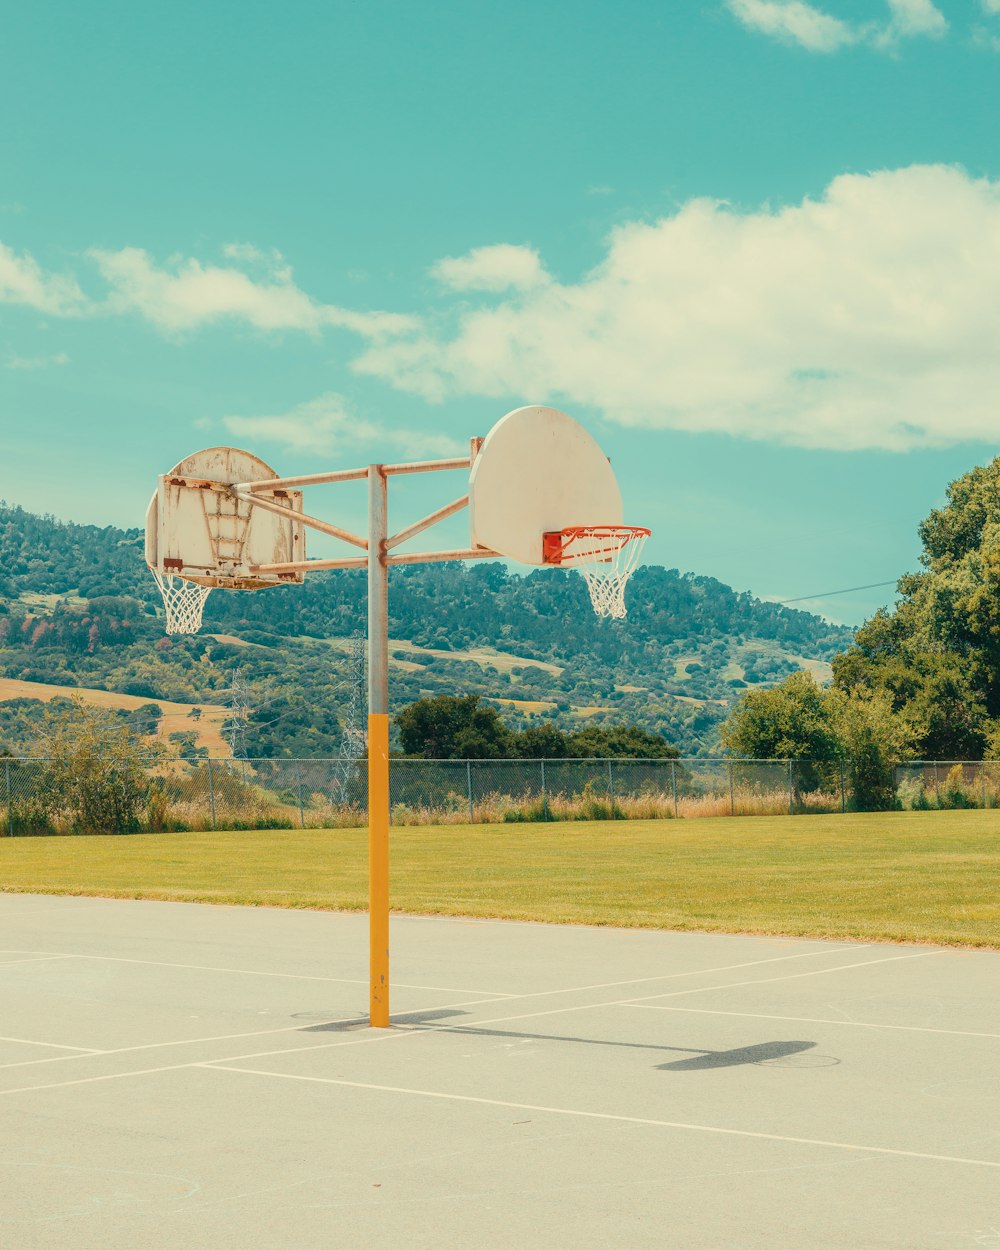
183	602
606	555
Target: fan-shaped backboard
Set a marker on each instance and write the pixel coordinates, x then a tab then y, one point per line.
201	530
538	471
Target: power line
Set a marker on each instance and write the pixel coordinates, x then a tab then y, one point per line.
829	594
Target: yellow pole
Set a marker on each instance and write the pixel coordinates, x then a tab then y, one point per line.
378	749
378	869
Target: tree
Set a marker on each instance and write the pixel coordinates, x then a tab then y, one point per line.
448	727
937	653
873	739
790	721
541	742
620	742
98	770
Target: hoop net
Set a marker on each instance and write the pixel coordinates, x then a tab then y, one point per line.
183	602
606	555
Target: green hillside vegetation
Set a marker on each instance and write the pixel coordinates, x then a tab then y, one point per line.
78	608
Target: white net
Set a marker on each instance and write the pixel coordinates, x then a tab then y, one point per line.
183	602
607	557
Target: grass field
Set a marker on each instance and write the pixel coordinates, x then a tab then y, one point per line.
905	876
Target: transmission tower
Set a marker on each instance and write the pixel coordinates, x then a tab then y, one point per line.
352	744
235	728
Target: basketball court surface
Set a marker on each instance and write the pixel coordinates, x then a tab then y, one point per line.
178	1075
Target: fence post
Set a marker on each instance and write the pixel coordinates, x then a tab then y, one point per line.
843	794
468	782
298	785
611	790
113	779
211	791
673	783
791	800
732	797
10	803
982	781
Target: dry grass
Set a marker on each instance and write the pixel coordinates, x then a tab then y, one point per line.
176	716
904	876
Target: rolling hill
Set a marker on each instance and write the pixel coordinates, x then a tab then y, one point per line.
78	610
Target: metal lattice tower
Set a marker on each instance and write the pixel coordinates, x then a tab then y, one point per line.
235	728
354	741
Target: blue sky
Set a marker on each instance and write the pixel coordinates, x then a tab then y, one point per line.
753	245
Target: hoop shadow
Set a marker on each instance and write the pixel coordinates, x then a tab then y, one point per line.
700	1059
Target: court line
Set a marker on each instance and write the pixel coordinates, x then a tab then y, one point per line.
255	972
695	989
89	1050
854	1024
406	1030
607	1115
180	1041
34	959
487	995
107	1076
403	1030
672	976
791	976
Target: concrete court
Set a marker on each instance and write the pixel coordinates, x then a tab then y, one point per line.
190	1077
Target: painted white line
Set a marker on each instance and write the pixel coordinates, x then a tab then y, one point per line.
487	996
627	1002
89	1080
849	1024
85	1050
256	972
33	959
182	1041
403	1030
791	976
673	976
607	1115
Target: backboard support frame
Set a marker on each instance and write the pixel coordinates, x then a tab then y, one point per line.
281	496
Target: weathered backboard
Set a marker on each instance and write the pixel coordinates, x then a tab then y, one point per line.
199	529
538	471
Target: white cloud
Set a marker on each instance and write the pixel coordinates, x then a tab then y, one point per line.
498	268
324	426
37	362
186	293
865	319
794	21
250	254
991	6
22	281
916	17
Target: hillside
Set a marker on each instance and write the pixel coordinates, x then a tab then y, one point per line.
78	609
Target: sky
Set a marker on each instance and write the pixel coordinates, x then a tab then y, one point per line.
752	245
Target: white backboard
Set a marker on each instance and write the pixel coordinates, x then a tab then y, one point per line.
538	471
199	530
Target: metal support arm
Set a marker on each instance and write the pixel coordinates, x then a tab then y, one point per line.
313	522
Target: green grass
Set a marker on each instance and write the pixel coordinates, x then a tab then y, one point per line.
905	876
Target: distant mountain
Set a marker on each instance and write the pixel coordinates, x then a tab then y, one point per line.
78	608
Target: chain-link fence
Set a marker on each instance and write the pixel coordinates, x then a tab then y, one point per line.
39	796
